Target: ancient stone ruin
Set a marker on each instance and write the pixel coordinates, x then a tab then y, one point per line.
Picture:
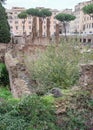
13	55
86	77
86	74
2	51
20	82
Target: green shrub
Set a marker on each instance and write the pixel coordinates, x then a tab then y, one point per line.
40	113
8	122
4	77
5	107
56	67
5	93
32	113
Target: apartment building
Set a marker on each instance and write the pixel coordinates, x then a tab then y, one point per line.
16	24
83	22
88	22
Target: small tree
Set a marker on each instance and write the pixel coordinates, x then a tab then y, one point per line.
88	9
33	12
46	13
23	15
4	26
65	18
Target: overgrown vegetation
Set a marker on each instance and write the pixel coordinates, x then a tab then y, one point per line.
56	67
76	110
4	77
5	93
32	113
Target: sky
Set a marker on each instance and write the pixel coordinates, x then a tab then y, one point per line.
54	4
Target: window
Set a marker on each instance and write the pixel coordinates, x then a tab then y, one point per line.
10	17
16	27
84	18
89	25
29	22
87	18
44	27
23	22
16	22
84	40
15	17
15	12
29	27
89	40
84	27
10	21
11	27
92	25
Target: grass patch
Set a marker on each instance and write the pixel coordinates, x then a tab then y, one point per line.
5	93
49	98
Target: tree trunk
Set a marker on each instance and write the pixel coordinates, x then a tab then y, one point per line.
57	34
64	25
48	28
40	28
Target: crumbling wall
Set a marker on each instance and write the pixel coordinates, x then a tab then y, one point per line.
19	81
86	78
86	75
2	51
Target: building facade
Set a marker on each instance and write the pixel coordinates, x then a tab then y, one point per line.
83	24
16	24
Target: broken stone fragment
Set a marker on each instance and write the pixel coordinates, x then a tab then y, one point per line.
56	92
